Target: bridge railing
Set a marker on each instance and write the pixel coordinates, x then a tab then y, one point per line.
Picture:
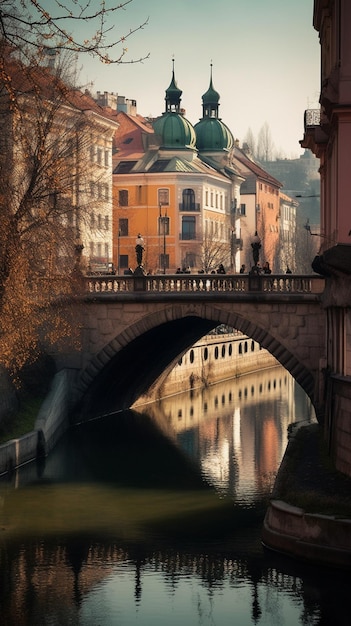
207	283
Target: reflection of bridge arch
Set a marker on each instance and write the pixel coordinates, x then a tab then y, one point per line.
128	345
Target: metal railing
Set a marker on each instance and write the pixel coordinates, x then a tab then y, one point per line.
207	283
312	118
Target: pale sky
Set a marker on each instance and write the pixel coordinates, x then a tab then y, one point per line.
265	56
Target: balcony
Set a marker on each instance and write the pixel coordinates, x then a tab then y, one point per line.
312	118
314	136
192	207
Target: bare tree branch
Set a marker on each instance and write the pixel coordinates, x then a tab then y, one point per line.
31	28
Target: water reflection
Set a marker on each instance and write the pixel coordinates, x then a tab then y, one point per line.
123	527
236	430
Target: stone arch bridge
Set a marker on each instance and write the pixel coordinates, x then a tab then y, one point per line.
135	328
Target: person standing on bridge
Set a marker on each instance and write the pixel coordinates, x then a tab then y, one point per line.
139	249
256	245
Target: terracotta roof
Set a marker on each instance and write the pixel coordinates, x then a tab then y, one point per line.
248	164
21	79
130	137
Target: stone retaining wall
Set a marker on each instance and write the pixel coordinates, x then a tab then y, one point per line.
322	539
338	422
51	423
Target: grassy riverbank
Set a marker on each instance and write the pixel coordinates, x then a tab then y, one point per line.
308	479
22	422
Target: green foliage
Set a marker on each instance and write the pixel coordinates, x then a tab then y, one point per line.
22	422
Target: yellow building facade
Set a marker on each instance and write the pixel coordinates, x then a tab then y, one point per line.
174	186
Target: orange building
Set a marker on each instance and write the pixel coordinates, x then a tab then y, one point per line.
174	185
259	210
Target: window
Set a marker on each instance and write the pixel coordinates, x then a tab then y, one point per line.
123	197
107	158
99	156
188	227
164	261
163	225
123	261
163	197
107	222
242	209
188	200
123	227
190	259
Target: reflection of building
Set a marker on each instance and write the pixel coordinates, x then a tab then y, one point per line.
237	429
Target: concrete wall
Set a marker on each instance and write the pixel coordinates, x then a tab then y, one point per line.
52	421
320	538
53	417
338	422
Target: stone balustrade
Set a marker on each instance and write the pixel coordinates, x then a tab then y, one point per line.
207	283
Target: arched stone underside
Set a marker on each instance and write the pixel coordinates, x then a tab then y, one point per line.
125	360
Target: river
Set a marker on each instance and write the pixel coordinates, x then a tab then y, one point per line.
153	517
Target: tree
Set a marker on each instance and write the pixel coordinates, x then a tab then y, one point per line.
46	139
213	251
45	203
249	143
265	145
30	27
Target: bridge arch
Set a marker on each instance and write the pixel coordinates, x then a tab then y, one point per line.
132	353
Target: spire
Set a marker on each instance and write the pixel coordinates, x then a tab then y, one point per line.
210	101
173	95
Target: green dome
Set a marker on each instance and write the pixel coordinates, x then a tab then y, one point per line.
213	134
211	96
175	130
173	94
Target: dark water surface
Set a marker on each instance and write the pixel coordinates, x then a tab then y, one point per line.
154	516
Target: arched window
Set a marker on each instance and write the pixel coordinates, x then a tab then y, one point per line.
188	200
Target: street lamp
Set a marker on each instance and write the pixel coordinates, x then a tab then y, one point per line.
78	249
118	250
164	230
